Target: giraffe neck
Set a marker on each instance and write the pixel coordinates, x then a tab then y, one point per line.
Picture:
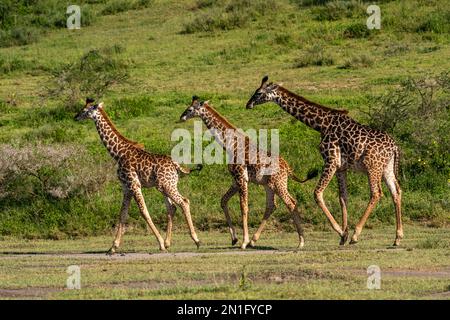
116	144
312	114
221	129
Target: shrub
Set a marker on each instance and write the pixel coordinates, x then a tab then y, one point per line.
48	171
314	56
417	114
93	75
18	36
356	31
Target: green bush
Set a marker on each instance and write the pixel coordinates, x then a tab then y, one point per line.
417	114
356	31
91	76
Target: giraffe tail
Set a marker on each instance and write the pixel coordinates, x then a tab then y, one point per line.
397	164
311	174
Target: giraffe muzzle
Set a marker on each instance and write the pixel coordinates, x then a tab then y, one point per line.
249	105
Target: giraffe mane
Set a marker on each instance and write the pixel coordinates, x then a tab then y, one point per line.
219	116
284	90
114	129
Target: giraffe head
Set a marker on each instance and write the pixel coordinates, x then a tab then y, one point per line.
89	111
265	93
194	109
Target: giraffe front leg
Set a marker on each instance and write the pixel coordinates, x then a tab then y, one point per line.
325	179
122	220
243	197
270	208
224	204
342	183
144	212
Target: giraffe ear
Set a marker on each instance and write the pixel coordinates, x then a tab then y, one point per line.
100	105
264	80
89	100
195	98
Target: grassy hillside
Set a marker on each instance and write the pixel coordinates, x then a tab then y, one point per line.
166	51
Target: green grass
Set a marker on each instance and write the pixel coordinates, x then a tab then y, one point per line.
224	65
322	270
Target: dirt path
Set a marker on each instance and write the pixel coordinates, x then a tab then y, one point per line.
143	255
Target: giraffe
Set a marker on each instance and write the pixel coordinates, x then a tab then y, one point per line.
137	169
345	144
249	170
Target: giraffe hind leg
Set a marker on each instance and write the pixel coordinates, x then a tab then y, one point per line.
342	183
396	193
270	208
375	195
291	204
224	204
171	208
178	199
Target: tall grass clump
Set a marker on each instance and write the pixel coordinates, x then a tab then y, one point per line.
315	55
118	6
227	15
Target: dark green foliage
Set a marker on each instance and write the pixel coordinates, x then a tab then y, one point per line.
357	30
91	76
417	114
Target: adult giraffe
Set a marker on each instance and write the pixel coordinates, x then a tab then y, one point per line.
345	144
136	169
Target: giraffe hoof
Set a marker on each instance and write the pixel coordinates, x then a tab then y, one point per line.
234	241
353	241
252	244
167	245
111	252
396	243
197	243
244	246
344	238
301	244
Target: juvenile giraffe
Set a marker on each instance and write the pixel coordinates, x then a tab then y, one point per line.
136	169
345	144
249	170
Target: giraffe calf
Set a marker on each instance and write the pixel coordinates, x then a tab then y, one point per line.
138	168
250	171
